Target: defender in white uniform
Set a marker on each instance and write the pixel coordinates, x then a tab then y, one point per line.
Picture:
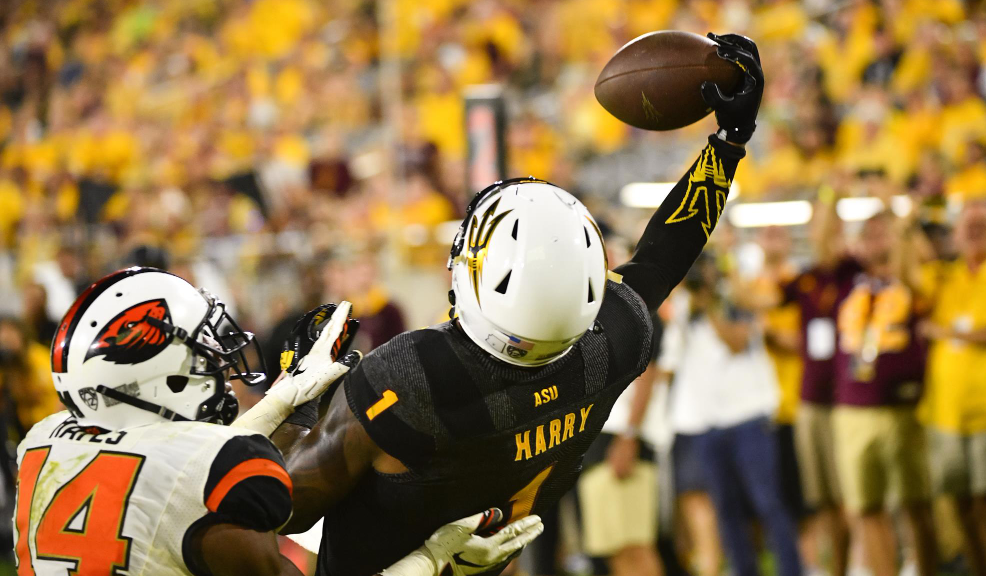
137	478
128	501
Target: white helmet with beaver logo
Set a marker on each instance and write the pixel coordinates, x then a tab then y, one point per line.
142	346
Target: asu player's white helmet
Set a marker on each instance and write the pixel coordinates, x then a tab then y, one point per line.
142	346
528	271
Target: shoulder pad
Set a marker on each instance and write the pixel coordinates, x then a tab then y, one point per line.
389	394
248	484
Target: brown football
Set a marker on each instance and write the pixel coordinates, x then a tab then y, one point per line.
654	82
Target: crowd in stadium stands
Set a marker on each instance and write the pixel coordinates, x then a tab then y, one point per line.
289	152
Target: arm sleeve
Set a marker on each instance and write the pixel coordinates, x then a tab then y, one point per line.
248	485
678	231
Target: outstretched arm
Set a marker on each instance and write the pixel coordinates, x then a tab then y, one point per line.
238	534
680	228
455	548
326	462
324	457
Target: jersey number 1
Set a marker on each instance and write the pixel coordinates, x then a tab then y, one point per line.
523	501
84	519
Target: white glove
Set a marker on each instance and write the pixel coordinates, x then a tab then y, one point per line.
480	554
458	538
316	372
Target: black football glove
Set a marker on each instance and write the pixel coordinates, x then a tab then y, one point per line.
306	331
303	336
736	113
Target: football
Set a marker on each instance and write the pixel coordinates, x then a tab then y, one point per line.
654	81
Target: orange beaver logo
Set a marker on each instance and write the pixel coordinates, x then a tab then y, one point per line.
129	338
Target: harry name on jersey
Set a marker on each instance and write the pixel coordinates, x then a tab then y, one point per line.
558	430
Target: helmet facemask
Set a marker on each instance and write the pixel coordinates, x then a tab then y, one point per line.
218	347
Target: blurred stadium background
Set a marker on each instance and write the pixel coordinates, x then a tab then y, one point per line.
284	153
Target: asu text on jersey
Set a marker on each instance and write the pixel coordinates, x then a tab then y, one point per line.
467	429
546	395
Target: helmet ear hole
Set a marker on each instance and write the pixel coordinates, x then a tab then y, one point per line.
177	383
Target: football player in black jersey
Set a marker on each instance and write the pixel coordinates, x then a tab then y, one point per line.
497	406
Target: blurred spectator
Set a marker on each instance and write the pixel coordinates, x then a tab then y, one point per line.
696	519
782	340
721	355
354	276
26	389
618	488
955	401
61	279
35	313
27	395
145	255
696	524
879	444
818	292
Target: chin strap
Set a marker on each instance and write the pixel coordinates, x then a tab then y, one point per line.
141	404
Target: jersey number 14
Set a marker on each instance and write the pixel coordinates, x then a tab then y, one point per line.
83	521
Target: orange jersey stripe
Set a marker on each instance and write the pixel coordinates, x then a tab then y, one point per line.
242	471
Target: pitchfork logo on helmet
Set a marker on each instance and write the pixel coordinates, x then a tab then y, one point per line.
479	241
130	338
528	271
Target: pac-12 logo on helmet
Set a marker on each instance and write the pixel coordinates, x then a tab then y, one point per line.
130	338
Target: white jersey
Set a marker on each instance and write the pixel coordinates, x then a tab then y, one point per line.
92	502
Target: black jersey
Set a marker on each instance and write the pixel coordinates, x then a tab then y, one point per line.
475	432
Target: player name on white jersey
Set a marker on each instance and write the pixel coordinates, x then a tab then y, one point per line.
117	502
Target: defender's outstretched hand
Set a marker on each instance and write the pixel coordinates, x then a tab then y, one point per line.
310	377
306	331
480	555
736	113
456	550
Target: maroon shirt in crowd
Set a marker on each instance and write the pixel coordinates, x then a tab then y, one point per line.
892	372
376	329
818	292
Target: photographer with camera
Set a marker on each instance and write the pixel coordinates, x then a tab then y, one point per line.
723	396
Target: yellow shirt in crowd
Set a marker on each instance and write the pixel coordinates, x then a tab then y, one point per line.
955	398
968	184
783	321
34	393
787	364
